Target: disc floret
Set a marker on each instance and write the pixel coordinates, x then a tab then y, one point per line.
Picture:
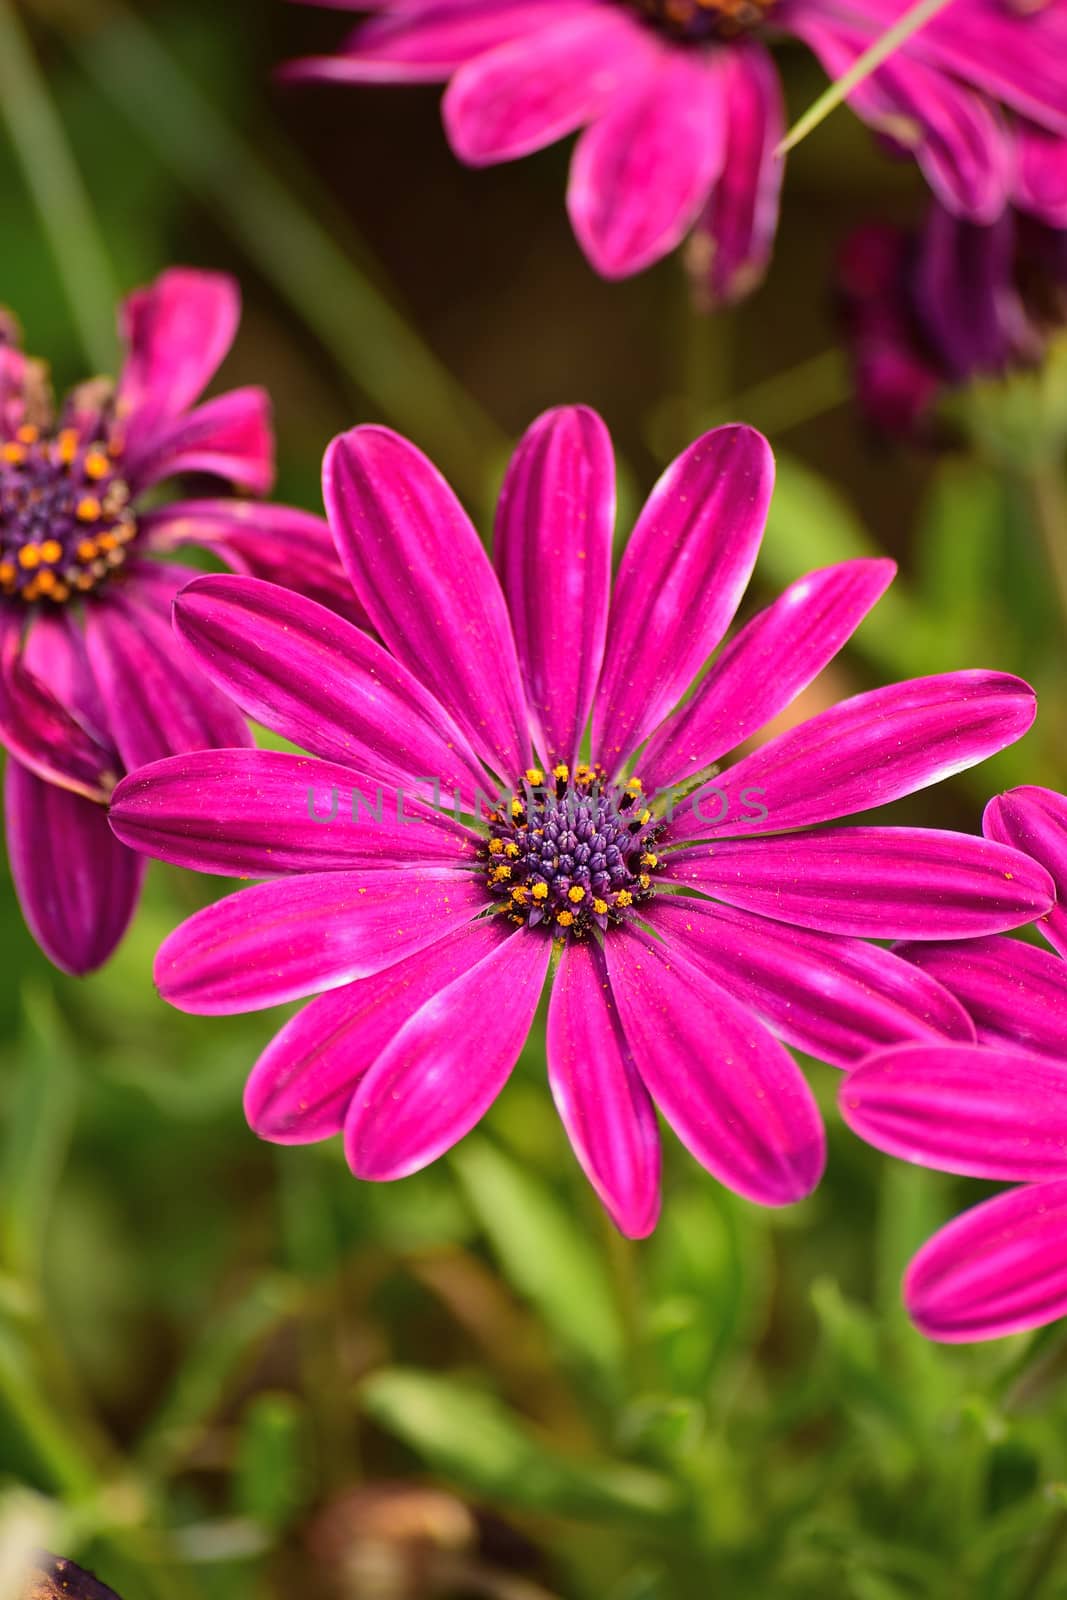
572	853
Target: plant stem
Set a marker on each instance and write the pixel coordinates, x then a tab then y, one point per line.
354	319
58	192
1044	483
871	59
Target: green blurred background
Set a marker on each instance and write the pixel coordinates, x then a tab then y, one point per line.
228	1370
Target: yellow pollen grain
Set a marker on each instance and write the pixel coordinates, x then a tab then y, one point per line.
7	572
635	785
534	775
67	445
86	550
511	849
540	891
644	880
562	772
519	894
644	816
624	898
45	581
60	591
97	465
32	590
496	847
600	907
501	872
584	774
51	550
84	581
27	434
650	859
29	557
576	894
13	453
109	540
565	918
516	808
88	509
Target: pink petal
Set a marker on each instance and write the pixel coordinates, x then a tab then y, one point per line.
53	650
553	554
178	331
427	586
602	1103
999	1269
277	543
229	438
644	168
159	703
77	885
427	43
1041	186
732	245
764	667
986	1113
304	672
869	750
447	1064
301	1086
42	733
516	99
266	813
680	581
1034	820
286	939
834	998
1016	993
733	1095
874	883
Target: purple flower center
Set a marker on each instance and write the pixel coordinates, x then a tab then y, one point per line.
574	856
64	513
697	20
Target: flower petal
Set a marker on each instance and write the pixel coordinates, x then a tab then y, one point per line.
686	566
291	937
601	1100
985	1113
837	999
427	586
733	1095
266	813
732	244
304	672
644	168
178	330
229	437
764	667
277	543
446	1066
514	99
1034	820
874	883
1016	993
159	702
42	733
1041	185
866	751
998	1269
553	555
302	1085
77	885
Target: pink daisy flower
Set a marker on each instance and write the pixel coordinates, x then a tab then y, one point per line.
92	679
683	934
996	1109
682	110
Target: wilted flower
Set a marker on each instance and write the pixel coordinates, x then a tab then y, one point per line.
676	928
997	1109
92	679
682	109
928	312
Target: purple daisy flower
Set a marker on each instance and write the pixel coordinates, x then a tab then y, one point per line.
92	679
930	311
996	1109
683	934
682	109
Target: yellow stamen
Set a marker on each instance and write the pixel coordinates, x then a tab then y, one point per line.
562	772
576	894
635	785
644	880
86	550
29	557
88	509
496	847
51	550
517	808
565	918
45	581
534	775
67	445
7	572
97	464
13	453
540	891
644	816
501	872
519	894
650	859
28	434
511	849
624	898
600	907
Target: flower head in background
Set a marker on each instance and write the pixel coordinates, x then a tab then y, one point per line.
681	109
996	1109
92	680
684	927
929	312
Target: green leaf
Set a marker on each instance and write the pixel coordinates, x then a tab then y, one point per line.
38	1131
272	1480
475	1442
544	1251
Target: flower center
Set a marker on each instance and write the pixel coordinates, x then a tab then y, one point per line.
64	514
574	855
695	20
